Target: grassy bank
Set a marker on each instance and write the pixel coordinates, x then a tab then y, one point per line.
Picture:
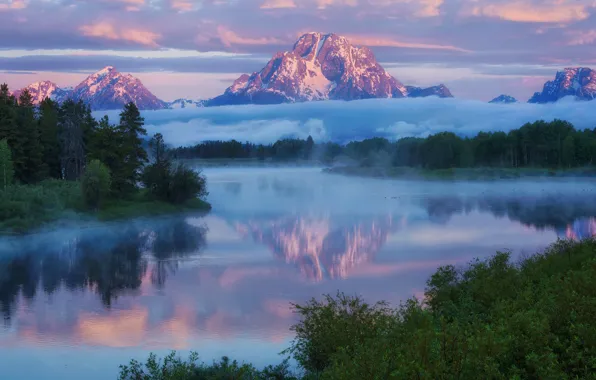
25	208
460	173
493	319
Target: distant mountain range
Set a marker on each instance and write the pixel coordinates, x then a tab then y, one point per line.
104	90
319	67
504	99
579	82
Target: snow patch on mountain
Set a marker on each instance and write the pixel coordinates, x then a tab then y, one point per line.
504	99
319	67
578	82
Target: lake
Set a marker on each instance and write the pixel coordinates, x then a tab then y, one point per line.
78	303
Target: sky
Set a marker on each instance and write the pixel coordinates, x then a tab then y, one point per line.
196	48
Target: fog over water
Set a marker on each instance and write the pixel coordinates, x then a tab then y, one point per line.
341	121
222	284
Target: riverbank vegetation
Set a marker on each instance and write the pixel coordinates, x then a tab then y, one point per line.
494	319
539	148
58	162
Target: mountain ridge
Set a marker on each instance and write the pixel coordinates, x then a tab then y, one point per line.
319	67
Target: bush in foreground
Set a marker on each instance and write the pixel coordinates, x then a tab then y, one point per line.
494	319
172	367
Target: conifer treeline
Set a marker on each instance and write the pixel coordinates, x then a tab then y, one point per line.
541	144
56	141
60	141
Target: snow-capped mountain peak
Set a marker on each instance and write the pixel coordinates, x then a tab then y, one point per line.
319	66
503	99
579	82
109	89
42	90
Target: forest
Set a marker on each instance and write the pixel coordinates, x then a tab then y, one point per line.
57	157
542	144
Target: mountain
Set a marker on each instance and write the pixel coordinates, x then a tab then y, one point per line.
504	99
319	67
105	90
109	89
579	82
45	89
185	103
417	92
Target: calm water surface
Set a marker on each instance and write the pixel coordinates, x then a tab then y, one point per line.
76	304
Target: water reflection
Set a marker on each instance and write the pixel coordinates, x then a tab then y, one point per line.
109	261
271	239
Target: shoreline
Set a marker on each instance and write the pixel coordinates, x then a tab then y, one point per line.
117	211
461	174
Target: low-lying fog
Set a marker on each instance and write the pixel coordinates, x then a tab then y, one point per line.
222	284
345	121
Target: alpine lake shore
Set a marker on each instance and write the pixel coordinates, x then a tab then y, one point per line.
55	203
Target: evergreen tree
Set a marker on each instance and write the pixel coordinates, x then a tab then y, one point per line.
134	155
72	145
28	162
6	166
106	145
49	137
8	122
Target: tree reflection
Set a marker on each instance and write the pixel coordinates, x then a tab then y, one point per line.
109	261
540	212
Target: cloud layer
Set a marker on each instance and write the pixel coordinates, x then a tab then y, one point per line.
344	121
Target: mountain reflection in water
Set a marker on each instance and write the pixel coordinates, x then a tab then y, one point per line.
222	284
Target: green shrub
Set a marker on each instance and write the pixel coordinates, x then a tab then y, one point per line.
174	368
174	183
95	184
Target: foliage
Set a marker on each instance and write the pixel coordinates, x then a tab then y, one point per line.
133	155
334	324
172	367
56	141
95	184
6	165
23	207
493	319
541	144
168	182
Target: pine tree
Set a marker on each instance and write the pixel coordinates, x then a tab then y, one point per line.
135	156
71	136
6	166
8	121
28	162
49	137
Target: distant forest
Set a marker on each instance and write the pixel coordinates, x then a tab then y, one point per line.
541	144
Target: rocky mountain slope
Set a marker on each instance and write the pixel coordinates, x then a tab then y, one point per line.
109	89
503	99
185	103
104	90
417	92
45	89
579	82
319	67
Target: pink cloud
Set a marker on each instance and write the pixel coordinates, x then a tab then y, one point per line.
548	11
106	30
13	4
278	4
380	41
585	37
229	37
